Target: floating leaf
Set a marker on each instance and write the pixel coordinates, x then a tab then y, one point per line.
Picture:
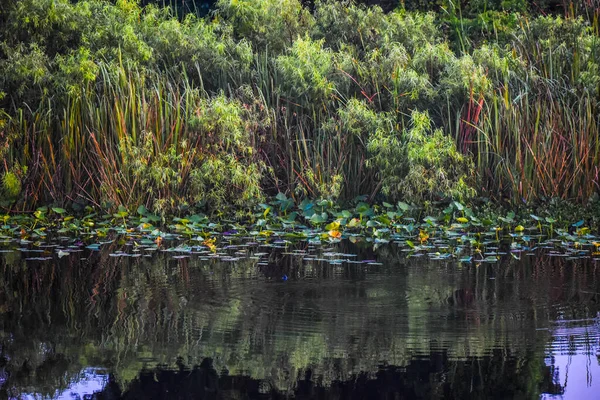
354	222
487	222
142	210
281	197
491	259
318	218
362	209
346	214
332	226
403	206
578	224
459	206
430	220
583	231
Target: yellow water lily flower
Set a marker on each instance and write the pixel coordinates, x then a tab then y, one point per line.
210	243
423	236
335	234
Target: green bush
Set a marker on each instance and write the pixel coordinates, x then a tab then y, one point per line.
271	25
306	72
420	164
11	187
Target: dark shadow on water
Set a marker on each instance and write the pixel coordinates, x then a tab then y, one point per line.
494	377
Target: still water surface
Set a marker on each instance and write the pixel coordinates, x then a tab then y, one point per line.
277	321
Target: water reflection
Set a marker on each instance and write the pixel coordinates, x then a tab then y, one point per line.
431	377
270	314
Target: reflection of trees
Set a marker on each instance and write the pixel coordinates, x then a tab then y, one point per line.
495	376
129	313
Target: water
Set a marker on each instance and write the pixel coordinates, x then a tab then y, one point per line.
275	322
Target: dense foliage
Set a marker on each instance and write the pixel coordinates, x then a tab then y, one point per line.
120	103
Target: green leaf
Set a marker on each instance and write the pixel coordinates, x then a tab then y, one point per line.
346	214
403	206
121	214
306	205
281	197
317	219
354	222
362	208
142	210
430	220
59	210
291	217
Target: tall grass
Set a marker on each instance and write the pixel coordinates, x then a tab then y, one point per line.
538	136
539	147
126	140
308	149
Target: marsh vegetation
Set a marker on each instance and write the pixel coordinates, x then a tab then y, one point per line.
284	195
109	104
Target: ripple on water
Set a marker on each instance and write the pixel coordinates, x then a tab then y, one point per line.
289	309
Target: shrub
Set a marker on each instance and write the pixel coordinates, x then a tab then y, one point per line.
306	72
420	164
270	25
11	187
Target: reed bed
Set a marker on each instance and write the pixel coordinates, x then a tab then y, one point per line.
231	113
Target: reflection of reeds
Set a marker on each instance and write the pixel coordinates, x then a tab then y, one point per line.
161	308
